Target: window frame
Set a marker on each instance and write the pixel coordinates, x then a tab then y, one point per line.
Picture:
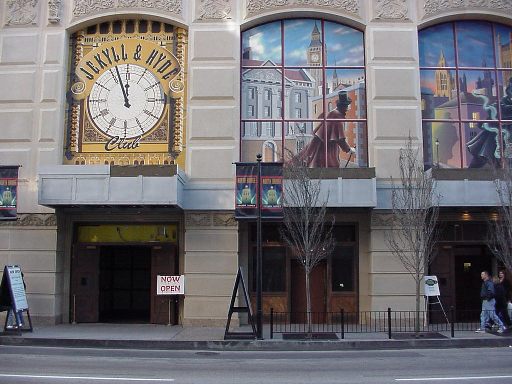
468	121
281	97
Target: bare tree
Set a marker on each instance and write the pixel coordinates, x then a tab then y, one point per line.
415	209
500	228
305	229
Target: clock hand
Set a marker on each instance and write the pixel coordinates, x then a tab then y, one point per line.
127	74
126	102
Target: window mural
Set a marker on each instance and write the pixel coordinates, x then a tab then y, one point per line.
466	94
303	93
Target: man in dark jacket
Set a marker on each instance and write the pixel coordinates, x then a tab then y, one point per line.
501	301
487	295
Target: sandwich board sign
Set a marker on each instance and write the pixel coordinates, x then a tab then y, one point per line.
431	286
13	298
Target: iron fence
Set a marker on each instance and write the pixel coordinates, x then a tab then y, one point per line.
389	322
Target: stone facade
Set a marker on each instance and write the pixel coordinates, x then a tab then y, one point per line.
32	100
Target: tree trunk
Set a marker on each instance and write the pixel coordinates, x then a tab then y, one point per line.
417	317
308	303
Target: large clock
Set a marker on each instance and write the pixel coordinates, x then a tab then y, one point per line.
315	57
126	101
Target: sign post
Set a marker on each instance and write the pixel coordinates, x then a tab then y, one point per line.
258	196
172	286
431	289
13	299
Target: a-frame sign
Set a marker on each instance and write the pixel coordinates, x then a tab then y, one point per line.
13	299
228	335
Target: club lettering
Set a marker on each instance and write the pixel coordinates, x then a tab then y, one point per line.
122	143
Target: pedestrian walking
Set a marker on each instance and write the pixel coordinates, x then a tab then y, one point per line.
487	294
504	280
501	301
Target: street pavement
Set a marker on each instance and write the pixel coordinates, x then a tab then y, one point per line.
41	365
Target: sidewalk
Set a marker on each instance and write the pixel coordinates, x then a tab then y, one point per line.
150	336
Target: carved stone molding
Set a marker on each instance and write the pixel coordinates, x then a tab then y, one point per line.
32	220
21	12
215	10
86	7
210	219
54	7
432	7
256	6
391	10
198	219
224	219
382	220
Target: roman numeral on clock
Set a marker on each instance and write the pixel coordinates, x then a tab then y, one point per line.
150	114
139	124
142	76
151	86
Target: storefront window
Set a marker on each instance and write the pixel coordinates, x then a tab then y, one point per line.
309	64
273	269
466	92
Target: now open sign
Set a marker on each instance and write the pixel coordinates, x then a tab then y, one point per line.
170	285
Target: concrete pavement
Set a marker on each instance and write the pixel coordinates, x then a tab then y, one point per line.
151	336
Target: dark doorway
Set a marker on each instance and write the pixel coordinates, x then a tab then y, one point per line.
124	289
458	269
318	284
469	263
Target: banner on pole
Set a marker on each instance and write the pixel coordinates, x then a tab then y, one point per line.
8	192
270	186
246	191
272	190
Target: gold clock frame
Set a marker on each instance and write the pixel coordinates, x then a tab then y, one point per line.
167	151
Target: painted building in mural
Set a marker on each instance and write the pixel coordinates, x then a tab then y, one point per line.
122	121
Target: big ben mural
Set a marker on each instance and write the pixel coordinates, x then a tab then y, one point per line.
126	97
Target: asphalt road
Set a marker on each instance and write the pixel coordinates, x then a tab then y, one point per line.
80	365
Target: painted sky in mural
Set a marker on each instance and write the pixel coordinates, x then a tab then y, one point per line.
344	44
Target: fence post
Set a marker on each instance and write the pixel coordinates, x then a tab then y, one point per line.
452	321
271	323
389	323
342	323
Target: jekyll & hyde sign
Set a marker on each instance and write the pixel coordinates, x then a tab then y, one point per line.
146	54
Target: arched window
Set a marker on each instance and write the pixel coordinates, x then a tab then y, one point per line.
309	64
466	94
269	151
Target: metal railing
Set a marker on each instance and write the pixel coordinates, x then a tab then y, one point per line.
388	322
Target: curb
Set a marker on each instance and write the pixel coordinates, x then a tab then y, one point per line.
259	345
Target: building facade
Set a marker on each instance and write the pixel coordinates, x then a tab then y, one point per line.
126	118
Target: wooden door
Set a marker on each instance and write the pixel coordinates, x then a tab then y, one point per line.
85	284
163	262
318	285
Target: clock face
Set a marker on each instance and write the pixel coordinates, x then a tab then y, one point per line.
315	57
126	101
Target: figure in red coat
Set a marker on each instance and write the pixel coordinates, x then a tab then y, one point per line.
330	131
